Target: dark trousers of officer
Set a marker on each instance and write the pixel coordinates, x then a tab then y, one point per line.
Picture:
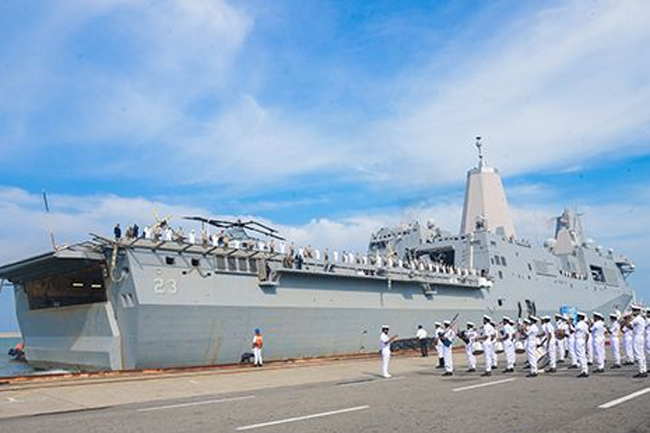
424	347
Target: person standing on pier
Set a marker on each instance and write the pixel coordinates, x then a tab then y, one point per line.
258	343
448	337
638	340
421	335
438	334
614	339
384	344
582	339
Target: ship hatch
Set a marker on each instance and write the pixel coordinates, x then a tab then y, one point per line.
59	279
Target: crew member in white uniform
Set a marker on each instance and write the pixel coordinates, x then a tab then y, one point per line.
590	346
448	337
598	334
638	340
508	339
647	333
615	339
563	329
438	333
421	335
495	358
384	345
488	335
531	331
571	342
550	343
582	339
469	337
628	345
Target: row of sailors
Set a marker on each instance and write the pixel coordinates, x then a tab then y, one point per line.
572	274
584	342
168	234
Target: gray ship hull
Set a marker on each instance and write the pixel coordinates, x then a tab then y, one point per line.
206	316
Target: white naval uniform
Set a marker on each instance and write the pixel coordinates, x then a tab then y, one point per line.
590	348
509	346
531	347
638	341
488	345
571	343
628	345
439	346
647	337
450	335
561	342
470	334
598	334
549	332
582	337
384	344
615	341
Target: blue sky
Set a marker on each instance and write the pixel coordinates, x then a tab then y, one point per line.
324	118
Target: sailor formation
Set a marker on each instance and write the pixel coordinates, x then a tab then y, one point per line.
578	340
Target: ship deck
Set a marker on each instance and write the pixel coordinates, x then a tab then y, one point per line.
342	395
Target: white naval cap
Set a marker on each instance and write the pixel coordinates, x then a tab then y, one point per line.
507	319
527	321
559	316
581	314
437	324
470	324
614	315
534	318
635	307
385	327
486	317
597	314
546	317
447	322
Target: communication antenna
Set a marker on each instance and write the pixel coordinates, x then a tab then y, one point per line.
49	221
479	146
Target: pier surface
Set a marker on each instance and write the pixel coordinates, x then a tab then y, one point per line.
334	396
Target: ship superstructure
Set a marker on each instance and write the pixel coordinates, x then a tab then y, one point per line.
152	303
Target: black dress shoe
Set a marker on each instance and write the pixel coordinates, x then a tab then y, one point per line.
599	370
552	370
590	363
487	373
531	375
470	370
583	375
571	367
448	373
615	366
639	375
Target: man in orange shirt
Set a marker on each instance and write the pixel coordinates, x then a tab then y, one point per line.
258	342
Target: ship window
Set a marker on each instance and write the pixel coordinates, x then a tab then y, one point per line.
221	263
169	260
530	268
503	261
496	260
492	260
195	262
243	264
500	302
493	243
232	264
500	274
253	265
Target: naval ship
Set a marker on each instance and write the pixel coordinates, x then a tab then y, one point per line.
152	302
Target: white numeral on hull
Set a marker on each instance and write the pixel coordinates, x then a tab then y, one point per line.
161	286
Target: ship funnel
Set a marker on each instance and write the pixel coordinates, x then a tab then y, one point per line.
486	207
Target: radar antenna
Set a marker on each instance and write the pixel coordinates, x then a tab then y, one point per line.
479	146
